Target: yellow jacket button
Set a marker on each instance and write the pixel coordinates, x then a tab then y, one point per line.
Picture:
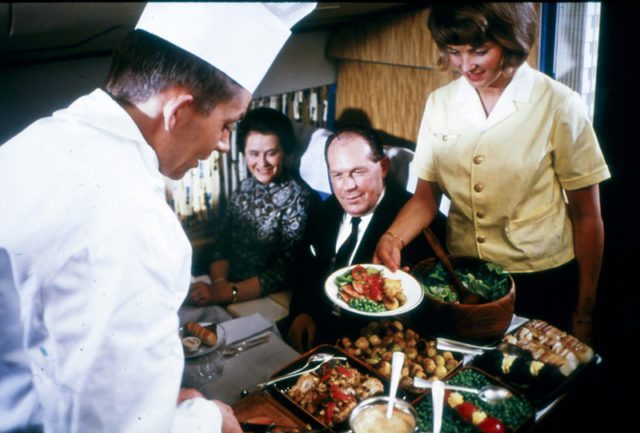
478	187
481	239
478	159
480	214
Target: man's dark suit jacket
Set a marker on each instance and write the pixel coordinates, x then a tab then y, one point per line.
324	224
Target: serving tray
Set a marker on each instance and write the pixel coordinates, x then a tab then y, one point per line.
280	389
517	413
380	338
260	408
541	388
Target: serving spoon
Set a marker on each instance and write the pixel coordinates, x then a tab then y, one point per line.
489	393
317	358
396	369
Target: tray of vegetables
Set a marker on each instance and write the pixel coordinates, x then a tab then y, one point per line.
374	344
467	413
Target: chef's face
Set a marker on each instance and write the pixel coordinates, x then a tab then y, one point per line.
356	177
481	66
264	156
196	136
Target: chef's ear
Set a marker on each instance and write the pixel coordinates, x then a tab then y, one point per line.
171	108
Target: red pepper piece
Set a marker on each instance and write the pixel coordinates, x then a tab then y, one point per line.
337	394
343	370
330	407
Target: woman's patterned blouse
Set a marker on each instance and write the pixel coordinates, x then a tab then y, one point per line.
263	228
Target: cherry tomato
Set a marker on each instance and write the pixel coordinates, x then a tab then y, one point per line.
492	425
466	410
360	286
359	273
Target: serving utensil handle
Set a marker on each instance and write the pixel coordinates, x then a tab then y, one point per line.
458	287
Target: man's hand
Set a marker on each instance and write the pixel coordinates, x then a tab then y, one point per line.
230	423
302	332
188	393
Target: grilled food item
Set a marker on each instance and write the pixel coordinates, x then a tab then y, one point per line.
205	335
550	345
333	391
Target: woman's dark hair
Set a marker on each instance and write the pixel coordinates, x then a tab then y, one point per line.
510	25
367	134
144	65
267	121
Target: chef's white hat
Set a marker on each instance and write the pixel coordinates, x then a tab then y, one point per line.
241	39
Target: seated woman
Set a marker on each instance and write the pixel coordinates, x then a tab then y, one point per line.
265	219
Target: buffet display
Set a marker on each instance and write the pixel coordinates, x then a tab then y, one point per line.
531	365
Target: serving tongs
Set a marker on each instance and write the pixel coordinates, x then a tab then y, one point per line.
314	362
464	294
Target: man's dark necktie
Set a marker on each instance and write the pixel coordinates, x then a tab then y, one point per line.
346	249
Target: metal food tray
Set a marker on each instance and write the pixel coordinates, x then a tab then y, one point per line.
540	391
452	422
279	390
413	393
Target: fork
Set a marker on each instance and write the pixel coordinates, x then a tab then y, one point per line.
234	349
320	358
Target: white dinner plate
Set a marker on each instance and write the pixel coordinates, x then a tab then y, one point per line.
204	349
410	287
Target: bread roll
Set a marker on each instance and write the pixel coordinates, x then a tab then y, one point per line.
205	335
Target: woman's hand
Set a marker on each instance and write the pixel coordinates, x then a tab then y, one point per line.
202	293
388	252
582	327
302	332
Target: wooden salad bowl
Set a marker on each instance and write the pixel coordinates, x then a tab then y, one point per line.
484	321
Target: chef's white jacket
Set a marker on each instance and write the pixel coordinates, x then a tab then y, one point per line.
93	268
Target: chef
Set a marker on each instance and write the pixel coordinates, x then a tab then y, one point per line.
93	263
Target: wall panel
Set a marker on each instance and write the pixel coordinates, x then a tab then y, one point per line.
392	97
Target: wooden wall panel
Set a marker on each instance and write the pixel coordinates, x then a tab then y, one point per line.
401	39
392	97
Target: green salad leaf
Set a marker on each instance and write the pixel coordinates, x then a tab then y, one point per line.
488	280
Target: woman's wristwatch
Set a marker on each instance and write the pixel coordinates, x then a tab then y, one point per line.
234	293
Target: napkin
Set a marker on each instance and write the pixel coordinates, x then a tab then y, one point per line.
247	327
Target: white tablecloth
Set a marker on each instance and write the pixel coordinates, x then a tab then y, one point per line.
246	369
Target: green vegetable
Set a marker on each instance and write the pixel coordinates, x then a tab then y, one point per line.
513	412
366	305
487	280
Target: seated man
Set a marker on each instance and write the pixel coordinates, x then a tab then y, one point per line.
359	212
